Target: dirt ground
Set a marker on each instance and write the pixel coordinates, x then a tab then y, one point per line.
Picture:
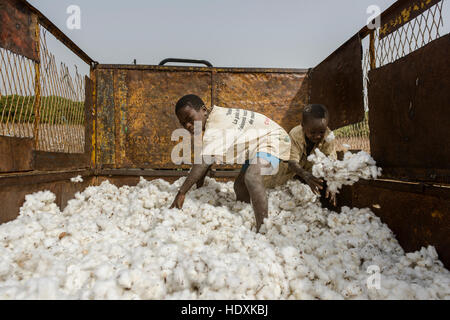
53	138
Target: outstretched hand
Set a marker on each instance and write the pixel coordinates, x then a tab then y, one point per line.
332	196
314	183
178	202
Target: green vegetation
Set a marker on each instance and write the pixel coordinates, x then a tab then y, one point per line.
61	110
360	129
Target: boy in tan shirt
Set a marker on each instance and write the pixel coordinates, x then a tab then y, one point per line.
231	136
305	138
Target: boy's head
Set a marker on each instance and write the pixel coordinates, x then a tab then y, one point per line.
315	122
191	108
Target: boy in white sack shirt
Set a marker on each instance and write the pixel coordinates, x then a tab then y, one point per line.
234	136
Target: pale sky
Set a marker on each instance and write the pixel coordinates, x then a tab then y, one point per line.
228	33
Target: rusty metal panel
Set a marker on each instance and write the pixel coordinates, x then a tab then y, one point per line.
409	113
120	116
337	82
401	13
68	190
419	215
146	113
47	161
135	105
105	125
279	96
18	29
16	154
14	188
88	116
196	69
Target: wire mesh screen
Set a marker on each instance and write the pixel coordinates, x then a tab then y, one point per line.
356	136
61	112
419	31
42	100
411	36
17	97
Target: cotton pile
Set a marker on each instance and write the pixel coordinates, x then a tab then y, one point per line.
346	172
125	243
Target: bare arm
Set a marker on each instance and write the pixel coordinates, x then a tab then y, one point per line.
197	172
314	183
201	181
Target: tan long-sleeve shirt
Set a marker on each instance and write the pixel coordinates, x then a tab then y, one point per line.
298	153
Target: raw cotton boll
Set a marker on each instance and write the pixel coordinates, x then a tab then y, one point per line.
76	278
206	251
301	289
330	137
76	179
345	172
104	271
8	292
106	290
156	290
5	266
352	291
48	289
49	242
124	279
301	193
39	202
289	253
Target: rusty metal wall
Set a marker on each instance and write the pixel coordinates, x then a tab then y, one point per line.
149	113
14	188
404	12
18	25
16	154
337	82
135	113
135	106
279	96
418	214
409	114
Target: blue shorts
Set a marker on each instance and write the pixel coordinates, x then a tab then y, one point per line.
274	161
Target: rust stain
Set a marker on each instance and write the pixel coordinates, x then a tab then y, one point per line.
279	96
120	103
437	214
150	117
337	83
409	115
105	118
94	117
18	29
16	154
417	219
135	106
403	14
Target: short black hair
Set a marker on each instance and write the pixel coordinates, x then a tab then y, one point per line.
315	111
190	100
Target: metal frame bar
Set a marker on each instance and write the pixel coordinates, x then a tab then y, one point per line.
200	69
61	36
